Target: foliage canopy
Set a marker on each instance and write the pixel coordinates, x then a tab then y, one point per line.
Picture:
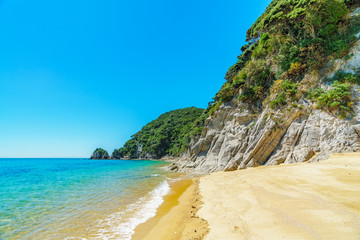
169	134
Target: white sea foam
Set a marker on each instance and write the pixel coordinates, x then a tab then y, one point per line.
116	226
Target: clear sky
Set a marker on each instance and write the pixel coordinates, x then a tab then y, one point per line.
81	74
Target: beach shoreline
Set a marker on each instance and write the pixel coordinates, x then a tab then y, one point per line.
318	200
176	218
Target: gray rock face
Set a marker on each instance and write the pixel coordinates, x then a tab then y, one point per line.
235	138
268	139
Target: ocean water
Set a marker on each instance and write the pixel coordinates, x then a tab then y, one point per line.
78	198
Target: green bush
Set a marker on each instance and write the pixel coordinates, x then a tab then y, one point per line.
239	79
314	93
215	107
286	93
289	88
280	100
288	54
225	94
262	47
258	73
338	47
343	77
248	95
337	98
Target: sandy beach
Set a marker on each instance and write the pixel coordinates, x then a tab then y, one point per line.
299	201
176	218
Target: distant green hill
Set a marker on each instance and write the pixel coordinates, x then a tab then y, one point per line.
169	134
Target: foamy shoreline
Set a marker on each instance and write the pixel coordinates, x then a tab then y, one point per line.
176	217
142	210
299	201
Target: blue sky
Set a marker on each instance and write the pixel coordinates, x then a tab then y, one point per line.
81	74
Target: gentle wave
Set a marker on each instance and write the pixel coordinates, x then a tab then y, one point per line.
119	225
67	198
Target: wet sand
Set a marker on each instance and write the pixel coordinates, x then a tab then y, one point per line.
176	218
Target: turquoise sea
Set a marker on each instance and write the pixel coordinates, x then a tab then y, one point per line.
78	198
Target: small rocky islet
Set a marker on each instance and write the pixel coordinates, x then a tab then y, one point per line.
100	153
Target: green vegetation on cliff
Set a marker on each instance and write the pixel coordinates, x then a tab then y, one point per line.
169	134
292	39
338	97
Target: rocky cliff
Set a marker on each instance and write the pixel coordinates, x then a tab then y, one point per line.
292	126
236	139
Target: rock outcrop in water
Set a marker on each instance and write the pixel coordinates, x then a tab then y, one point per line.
100	153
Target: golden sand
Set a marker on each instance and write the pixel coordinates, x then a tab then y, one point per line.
176	218
299	201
